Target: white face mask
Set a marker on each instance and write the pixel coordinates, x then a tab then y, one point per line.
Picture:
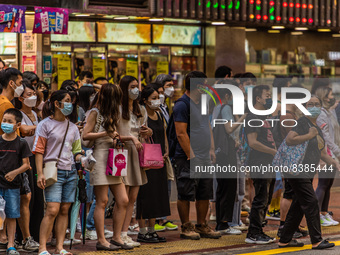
155	104
30	101
133	93
162	98
18	91
169	92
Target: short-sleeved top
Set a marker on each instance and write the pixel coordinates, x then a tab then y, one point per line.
264	136
11	155
315	145
28	122
198	128
4	105
49	136
132	126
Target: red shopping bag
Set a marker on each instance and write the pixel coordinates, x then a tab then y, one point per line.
151	156
117	162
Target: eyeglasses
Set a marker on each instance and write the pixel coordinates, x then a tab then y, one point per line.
313	105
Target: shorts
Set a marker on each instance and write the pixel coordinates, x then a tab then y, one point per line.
288	193
191	189
25	185
64	190
12	198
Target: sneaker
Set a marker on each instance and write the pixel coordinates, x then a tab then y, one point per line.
170	226
274	215
272	239
159	238
30	245
147	238
296	235
206	232
241	227
133	230
188	232
108	234
257	239
17	245
74	241
90	235
330	219
212	217
128	240
159	228
324	222
230	231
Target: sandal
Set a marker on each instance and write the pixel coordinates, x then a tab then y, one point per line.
44	253
324	245
12	251
292	243
63	252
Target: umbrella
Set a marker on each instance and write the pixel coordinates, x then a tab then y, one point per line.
80	202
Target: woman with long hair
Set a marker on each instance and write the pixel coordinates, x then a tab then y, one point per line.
106	110
329	125
49	146
132	126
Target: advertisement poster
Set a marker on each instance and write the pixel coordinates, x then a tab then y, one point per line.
132	68
50	20
162	67
8	43
124	33
12	18
29	43
29	64
169	34
64	69
47	61
98	68
88	32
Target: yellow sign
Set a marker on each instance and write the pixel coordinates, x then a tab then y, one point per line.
64	70
132	68
99	68
162	67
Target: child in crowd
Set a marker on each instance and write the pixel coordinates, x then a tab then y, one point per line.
14	160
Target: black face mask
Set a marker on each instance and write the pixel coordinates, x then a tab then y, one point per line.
332	102
45	93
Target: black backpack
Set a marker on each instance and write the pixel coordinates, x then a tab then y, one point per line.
171	130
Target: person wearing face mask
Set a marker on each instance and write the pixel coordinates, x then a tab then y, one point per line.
85	79
132	127
43	88
305	202
328	123
31	217
156	188
49	146
10	80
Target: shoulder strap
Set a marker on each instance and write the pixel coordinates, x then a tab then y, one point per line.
62	145
220	114
28	118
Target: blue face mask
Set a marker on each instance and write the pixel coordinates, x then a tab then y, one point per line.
87	85
68	109
314	111
269	103
7	128
247	87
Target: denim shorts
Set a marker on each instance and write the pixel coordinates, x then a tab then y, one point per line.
12	198
64	190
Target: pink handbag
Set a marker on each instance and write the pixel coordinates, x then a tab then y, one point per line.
151	156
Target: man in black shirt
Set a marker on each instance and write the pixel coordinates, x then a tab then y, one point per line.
261	142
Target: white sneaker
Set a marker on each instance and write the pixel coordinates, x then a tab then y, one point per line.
329	218
230	231
90	235
108	233
128	240
242	227
74	242
324	222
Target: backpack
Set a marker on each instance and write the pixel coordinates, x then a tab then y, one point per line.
171	130
245	149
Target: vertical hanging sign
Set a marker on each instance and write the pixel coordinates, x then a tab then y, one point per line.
50	20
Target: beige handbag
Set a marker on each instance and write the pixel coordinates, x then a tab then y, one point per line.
90	143
50	169
169	169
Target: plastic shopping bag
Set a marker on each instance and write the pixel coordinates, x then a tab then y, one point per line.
117	162
2	212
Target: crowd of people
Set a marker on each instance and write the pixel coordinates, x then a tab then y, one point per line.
44	132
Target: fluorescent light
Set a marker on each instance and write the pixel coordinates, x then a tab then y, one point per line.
221	23
273	31
155	19
336	35
29	12
83	15
122	17
324	30
296	33
109	16
251	29
278	27
301	28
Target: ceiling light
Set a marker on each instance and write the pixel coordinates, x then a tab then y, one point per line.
29	12
218	23
324	30
336	35
121	18
296	33
155	19
251	29
278	27
273	31
301	28
83	15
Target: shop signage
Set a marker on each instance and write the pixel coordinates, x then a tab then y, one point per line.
12	18
98	68
50	20
64	68
29	64
29	43
162	67
47	60
132	68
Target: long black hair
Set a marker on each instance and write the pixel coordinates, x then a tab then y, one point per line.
146	92
124	85
49	107
85	93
